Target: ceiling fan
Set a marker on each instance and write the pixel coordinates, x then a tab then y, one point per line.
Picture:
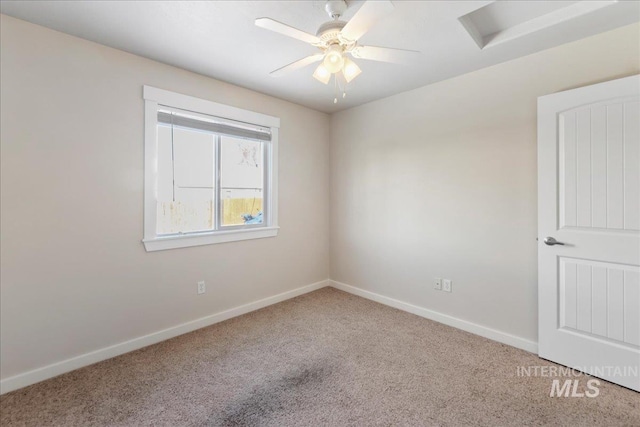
337	40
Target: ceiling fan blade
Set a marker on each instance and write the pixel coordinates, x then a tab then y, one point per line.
385	54
279	27
297	65
368	14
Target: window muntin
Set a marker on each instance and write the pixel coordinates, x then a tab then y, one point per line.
209	179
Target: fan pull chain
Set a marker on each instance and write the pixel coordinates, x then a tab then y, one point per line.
338	88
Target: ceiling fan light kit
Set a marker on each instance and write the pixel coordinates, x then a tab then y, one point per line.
337	40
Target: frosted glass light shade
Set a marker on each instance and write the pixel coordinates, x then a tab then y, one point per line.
333	60
350	70
322	74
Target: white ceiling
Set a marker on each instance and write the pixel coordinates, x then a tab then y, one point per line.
219	39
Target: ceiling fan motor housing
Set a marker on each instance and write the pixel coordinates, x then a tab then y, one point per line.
330	30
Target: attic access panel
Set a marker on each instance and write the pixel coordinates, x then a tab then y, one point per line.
503	21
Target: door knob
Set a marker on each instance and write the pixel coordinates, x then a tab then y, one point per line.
551	241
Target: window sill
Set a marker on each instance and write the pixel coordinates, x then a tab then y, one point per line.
174	242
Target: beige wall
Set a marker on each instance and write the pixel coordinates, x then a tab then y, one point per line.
436	182
441	182
75	275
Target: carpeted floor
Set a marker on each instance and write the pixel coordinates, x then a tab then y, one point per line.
323	359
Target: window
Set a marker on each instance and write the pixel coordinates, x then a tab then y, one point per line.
210	172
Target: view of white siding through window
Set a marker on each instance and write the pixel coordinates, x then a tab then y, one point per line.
187	180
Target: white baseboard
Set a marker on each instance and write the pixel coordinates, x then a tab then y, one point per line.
474	328
58	368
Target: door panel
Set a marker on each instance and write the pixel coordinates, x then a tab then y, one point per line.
590	290
589	199
599	159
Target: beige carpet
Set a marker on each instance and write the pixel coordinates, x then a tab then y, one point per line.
323	359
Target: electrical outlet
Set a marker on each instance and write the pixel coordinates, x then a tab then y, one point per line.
446	285
437	284
201	287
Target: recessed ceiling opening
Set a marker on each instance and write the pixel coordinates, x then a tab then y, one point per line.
502	21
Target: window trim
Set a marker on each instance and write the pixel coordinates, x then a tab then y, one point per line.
153	98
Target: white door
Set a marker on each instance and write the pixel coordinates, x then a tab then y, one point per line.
589	202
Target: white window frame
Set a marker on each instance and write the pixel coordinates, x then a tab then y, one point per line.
155	99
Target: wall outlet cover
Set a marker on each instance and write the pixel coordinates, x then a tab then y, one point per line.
437	284
446	285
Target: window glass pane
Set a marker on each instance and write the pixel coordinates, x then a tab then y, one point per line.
241	181
185	180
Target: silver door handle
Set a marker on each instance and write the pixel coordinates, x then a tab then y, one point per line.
551	241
